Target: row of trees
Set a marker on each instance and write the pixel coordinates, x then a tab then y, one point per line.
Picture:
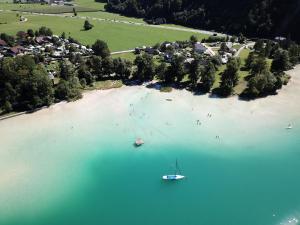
252	17
199	75
265	79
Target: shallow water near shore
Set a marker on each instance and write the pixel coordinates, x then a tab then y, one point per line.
76	164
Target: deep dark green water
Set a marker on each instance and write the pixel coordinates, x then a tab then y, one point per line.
86	171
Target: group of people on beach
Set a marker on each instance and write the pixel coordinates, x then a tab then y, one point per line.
198	122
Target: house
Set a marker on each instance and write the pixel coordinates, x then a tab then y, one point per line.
16	50
200	48
189	60
41	40
3	44
229	45
280	39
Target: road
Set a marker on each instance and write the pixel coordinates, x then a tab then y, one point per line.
248	45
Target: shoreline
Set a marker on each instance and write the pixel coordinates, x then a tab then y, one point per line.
287	92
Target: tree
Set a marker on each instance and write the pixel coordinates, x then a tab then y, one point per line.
178	68
294	54
95	63
208	77
259	65
87	25
223	47
66	70
63	35
45	31
122	68
10	40
259	46
281	61
24	84
161	71
74	12
242	38
145	67
68	90
36	90
195	72
261	84
100	48
268	49
193	39
84	73
30	33
230	77
107	66
249	61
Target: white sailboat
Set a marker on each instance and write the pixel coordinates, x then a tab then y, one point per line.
175	176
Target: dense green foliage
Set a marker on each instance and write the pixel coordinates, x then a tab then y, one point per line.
267	18
230	77
24	84
100	48
266	79
87	25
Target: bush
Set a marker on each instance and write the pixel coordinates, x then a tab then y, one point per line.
87	25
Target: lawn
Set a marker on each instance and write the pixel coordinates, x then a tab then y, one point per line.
90	4
57	9
129	56
110	16
104	85
119	36
8	5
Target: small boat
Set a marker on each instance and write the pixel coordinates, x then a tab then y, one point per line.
175	176
139	142
289	127
169	99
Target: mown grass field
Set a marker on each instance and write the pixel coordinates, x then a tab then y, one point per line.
119	36
110	16
8	5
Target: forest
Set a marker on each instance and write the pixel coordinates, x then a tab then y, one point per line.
254	18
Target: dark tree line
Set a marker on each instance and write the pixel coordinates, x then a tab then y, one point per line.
265	18
265	79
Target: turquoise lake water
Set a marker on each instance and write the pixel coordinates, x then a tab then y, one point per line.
76	165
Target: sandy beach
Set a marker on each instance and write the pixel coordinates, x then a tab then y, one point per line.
284	103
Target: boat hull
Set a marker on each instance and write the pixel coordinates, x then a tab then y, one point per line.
173	177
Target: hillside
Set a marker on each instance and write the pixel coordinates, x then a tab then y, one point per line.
263	18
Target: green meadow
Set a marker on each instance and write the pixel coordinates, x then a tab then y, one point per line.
109	16
7	5
119	36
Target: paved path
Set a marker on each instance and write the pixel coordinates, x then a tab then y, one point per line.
243	47
121	52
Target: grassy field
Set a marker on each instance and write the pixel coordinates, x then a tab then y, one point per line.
104	85
110	16
8	5
119	36
90	4
58	9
